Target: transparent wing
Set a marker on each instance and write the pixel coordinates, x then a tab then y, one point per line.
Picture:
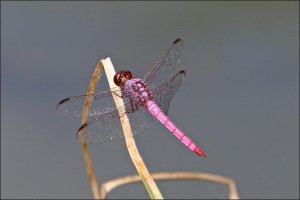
163	70
102	102
164	94
108	127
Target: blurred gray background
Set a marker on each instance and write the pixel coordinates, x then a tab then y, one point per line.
239	100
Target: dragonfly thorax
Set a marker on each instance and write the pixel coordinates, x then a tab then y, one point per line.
137	90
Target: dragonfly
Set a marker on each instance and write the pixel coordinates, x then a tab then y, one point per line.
144	100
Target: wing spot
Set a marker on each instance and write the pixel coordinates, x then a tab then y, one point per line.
63	101
177	40
82	127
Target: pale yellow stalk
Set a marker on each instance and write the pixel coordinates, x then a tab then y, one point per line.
137	160
232	193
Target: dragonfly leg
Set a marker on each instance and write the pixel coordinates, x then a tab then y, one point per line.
134	106
121	96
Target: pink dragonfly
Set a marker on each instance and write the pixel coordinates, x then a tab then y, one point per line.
144	100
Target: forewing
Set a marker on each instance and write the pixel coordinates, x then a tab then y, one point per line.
167	66
102	102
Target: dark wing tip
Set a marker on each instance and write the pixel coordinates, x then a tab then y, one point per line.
63	101
79	131
177	40
82	127
182	72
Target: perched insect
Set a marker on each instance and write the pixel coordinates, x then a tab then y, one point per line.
144	100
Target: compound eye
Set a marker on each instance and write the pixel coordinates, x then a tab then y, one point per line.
127	75
118	79
121	77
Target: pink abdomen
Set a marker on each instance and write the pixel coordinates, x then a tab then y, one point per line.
158	114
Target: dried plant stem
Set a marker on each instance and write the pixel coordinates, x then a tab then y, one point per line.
137	160
85	149
233	194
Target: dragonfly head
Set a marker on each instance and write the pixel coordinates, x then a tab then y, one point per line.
121	77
